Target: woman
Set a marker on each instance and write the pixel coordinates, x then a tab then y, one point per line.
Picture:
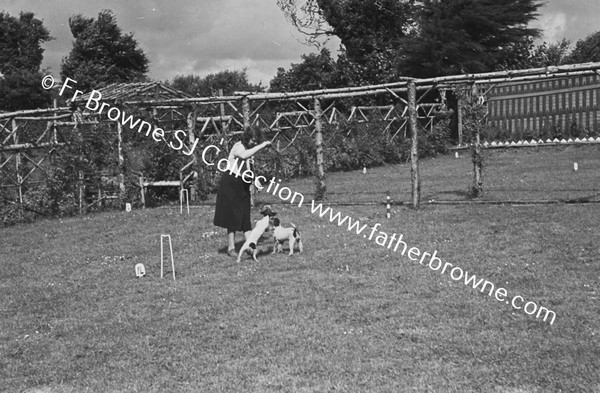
232	211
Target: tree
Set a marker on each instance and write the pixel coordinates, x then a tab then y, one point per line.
389	38
467	36
554	54
23	90
317	71
526	54
586	50
21	55
371	31
229	81
102	54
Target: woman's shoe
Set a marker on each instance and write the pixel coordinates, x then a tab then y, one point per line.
232	253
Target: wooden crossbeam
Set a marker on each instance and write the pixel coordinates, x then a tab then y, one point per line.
3	126
403	126
35	166
31	146
235	109
305	109
257	108
48	128
5	162
33	118
214	118
162	183
11	134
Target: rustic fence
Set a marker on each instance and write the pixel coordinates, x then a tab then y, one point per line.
513	98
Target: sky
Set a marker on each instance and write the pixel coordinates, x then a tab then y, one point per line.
207	36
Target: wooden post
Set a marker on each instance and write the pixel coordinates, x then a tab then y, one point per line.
54	128
80	192
222	111
477	158
320	187
121	162
17	162
459	118
142	191
246	111
197	186
246	114
414	149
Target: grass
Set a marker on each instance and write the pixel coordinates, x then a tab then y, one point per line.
526	174
346	315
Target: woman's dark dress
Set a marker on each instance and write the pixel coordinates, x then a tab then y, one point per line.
233	204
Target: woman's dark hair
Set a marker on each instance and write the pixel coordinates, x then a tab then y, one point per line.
252	132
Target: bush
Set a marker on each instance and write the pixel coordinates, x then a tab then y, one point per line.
366	145
91	151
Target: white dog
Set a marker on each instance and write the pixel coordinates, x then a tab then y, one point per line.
281	234
259	229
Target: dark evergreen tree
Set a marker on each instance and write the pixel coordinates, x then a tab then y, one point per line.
467	36
102	54
385	39
21	55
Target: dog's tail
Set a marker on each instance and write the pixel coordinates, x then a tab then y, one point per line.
296	231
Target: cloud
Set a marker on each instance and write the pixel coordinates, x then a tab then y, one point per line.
235	35
570	19
554	26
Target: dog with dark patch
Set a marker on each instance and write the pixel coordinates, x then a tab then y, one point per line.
260	228
281	235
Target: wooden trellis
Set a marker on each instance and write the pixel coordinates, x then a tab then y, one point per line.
24	150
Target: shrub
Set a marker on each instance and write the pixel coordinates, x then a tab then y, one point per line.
92	151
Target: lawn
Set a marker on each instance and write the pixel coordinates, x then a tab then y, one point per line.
346	315
524	175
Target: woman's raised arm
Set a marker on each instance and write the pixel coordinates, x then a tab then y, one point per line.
247	153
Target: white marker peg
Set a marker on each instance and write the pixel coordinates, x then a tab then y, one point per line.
187	200
364	169
575	167
456	154
388	210
140	271
162	255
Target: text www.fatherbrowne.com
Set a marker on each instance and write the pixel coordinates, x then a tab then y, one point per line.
394	242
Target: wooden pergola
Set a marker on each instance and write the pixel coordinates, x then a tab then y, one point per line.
212	119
